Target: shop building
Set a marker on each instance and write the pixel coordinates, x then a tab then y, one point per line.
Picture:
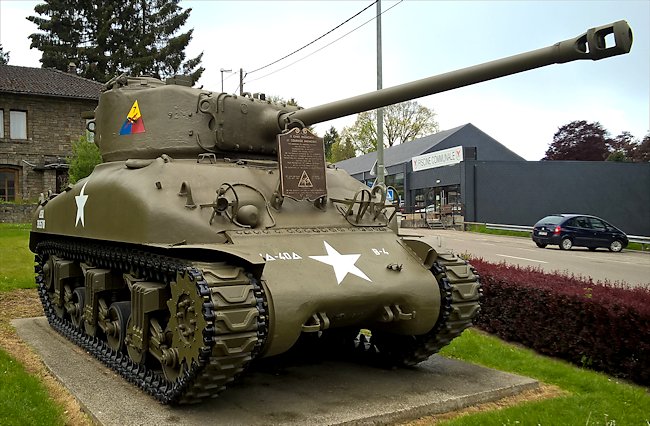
464	175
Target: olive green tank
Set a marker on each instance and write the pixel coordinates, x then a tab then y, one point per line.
214	234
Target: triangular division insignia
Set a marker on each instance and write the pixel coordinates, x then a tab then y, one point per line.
305	182
133	123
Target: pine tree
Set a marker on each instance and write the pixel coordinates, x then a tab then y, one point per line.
107	38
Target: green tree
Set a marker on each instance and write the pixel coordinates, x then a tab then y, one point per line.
85	156
4	56
403	122
107	38
342	150
329	139
280	100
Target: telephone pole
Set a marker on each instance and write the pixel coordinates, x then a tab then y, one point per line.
380	111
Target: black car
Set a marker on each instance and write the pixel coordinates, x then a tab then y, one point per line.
568	230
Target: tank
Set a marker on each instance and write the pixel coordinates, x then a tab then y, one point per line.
214	234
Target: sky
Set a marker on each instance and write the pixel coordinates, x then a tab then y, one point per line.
419	39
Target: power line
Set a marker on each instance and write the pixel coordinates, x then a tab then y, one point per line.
327	45
314	41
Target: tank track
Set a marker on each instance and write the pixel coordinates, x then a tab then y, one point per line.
460	293
221	359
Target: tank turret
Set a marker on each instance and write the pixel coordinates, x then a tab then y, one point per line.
180	121
213	234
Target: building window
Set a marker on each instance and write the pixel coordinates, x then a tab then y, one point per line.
2	123
8	184
18	124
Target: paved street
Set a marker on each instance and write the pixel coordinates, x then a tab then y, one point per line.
628	266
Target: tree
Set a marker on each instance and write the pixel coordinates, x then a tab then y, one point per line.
402	123
85	156
4	56
581	141
107	38
329	139
281	101
641	152
622	147
342	150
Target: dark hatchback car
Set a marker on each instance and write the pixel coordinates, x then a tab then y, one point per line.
568	230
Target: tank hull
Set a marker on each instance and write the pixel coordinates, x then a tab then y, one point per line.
149	258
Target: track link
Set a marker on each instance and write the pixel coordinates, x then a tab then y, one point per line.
228	345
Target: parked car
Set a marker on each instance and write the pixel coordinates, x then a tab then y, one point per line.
568	230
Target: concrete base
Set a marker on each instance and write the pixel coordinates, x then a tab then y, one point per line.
329	392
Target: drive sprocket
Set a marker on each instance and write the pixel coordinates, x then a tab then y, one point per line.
186	326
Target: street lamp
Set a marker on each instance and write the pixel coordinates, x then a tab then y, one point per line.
223	71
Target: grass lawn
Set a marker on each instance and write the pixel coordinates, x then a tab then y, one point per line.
23	398
593	398
16	261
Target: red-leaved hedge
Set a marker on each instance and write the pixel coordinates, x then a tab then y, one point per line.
597	325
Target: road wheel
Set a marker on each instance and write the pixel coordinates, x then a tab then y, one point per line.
540	245
616	246
566	243
78	303
118	314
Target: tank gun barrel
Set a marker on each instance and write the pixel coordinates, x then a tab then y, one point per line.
590	45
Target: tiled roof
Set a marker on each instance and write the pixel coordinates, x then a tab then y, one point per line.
47	82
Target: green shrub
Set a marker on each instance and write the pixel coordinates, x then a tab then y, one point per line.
85	156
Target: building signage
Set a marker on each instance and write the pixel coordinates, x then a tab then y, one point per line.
445	157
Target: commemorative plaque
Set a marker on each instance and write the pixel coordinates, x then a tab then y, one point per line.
302	165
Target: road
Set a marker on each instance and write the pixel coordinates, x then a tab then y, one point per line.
631	267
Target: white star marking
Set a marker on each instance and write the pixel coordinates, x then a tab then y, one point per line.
81	203
342	263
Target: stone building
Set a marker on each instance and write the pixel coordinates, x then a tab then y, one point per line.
40	117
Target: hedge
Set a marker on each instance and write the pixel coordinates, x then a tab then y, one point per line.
602	326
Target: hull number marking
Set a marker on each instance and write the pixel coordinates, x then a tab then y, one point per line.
280	256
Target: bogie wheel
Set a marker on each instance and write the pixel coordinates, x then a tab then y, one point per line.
566	243
118	314
78	302
616	246
48	277
540	245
